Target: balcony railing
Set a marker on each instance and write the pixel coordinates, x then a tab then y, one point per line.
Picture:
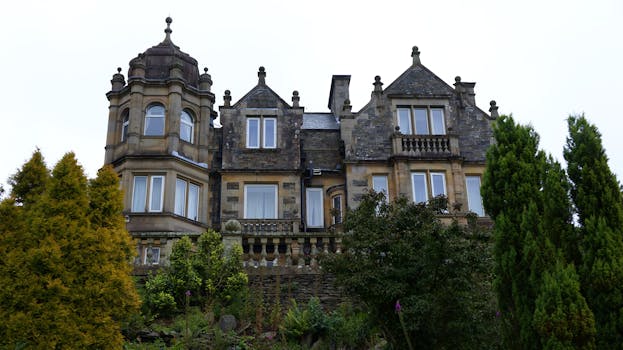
267	227
297	252
424	145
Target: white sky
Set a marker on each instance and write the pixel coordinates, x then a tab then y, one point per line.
540	60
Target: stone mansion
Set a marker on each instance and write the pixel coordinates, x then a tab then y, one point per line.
284	174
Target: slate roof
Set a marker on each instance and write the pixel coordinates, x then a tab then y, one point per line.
419	81
319	121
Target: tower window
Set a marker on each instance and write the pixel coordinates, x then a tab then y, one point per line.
186	199
154	121
125	125
187	127
148	193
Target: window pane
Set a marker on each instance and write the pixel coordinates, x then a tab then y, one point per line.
439	127
379	184
180	197
152	256
438	182
314	207
419	188
253	133
125	125
186	127
270	132
193	201
404	120
155	203
154	121
337	206
421	122
261	201
139	194
474	200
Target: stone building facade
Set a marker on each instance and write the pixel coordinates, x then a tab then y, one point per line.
275	178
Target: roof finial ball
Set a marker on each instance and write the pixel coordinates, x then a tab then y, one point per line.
415	53
168	30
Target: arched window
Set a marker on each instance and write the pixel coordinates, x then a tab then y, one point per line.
187	127
125	124
154	121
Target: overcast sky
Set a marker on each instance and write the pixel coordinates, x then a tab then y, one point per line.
540	60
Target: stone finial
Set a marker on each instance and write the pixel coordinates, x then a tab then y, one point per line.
347	107
493	109
295	99
168	30
415	53
205	80
261	75
378	85
118	81
227	98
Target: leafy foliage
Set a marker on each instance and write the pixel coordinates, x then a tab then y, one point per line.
64	275
204	270
401	251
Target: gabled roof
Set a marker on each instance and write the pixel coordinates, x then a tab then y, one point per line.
419	81
261	96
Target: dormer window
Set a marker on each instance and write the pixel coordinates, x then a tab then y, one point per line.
418	120
261	132
154	121
125	125
187	127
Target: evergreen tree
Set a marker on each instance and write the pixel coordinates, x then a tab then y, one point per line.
512	197
526	195
74	287
597	197
28	183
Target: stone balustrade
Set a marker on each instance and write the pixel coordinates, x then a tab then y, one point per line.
267	227
304	250
424	145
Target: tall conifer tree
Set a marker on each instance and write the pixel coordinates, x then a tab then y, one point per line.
525	193
597	197
75	286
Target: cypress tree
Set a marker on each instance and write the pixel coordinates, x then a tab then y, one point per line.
74	282
526	195
597	197
28	183
512	197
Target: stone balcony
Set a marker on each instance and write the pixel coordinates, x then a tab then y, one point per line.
424	146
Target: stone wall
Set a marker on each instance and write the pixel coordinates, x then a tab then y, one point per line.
300	284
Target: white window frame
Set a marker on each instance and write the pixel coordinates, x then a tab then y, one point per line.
385	181
152	260
260	133
149	115
246	201
151	194
125	124
139	203
413	187
188	123
477	208
337	219
264	142
432	184
309	192
257	133
183	200
431	129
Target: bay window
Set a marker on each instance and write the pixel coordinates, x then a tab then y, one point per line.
187	127
147	193
186	199
154	121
